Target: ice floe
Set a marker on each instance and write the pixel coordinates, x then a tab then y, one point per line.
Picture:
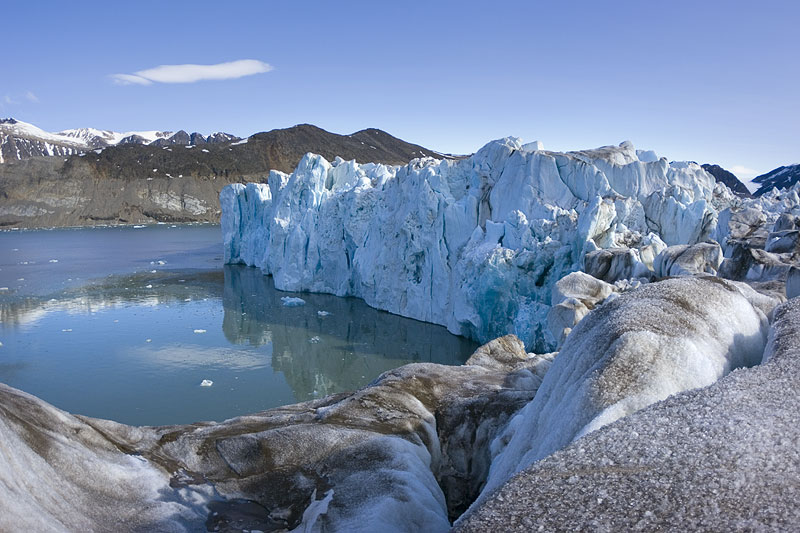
290	301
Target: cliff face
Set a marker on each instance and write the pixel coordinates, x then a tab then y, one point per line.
47	192
131	184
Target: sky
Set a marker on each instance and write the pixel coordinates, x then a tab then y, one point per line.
708	81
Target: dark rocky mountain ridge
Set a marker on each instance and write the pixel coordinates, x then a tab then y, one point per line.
172	181
780	178
728	178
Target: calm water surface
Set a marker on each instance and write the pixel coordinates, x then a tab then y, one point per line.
125	323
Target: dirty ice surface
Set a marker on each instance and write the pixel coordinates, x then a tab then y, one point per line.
112	330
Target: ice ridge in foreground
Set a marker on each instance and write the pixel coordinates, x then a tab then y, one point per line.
633	351
475	245
720	458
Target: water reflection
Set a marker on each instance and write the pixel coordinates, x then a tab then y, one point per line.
330	344
135	347
147	289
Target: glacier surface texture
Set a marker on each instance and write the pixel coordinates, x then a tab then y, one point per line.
476	244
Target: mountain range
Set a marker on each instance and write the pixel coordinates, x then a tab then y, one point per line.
21	140
141	177
89	176
780	178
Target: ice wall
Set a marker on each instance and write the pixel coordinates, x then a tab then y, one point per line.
476	244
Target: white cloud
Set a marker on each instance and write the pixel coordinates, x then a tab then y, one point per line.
31	97
10	101
129	79
193	73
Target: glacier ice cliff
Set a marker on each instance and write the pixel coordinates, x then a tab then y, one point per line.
476	244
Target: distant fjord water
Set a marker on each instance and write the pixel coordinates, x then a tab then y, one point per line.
126	323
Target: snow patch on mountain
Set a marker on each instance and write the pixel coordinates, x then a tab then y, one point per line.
20	140
93	137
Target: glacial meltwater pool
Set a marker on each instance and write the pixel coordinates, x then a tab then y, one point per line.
125	323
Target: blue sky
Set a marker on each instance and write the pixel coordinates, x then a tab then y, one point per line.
705	81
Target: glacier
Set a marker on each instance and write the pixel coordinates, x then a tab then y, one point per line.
719	458
635	350
476	244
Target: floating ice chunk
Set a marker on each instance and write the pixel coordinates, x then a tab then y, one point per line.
148	340
199	331
3	288
1	344
323	313
53	261
314	340
206	383
148	286
153	271
66	330
290	301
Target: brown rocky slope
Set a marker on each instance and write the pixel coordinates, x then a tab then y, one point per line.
134	184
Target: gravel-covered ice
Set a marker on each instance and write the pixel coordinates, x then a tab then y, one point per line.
721	458
630	352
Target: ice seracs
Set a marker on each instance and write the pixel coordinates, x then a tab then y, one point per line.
475	244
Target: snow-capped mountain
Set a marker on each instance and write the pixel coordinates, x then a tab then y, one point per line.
95	138
780	178
20	140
